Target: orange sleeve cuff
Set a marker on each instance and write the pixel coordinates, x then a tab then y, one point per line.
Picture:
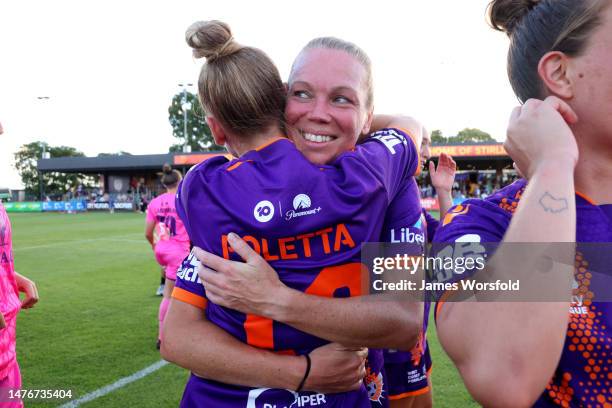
188	297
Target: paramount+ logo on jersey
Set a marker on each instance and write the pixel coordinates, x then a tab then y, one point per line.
302	205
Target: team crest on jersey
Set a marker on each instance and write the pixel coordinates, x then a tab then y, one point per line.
374	384
302	206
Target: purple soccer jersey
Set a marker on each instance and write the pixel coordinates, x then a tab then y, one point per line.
406	371
308	222
583	376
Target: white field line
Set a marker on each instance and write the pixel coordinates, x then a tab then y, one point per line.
122	238
100	392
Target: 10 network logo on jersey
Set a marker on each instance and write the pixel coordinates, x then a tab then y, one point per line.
302	203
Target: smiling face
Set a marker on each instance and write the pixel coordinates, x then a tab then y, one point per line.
326	108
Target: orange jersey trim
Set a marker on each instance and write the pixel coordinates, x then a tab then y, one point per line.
263	146
259	331
445	296
188	297
586	197
234	166
409	394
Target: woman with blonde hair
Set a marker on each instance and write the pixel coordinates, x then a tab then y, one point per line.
306	219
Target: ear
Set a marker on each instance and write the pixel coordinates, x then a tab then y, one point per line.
368	123
555	70
217	130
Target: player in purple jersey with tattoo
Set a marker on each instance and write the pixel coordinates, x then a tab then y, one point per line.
313	240
408	373
524	354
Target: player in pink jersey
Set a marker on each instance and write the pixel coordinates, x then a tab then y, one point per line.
167	235
11	283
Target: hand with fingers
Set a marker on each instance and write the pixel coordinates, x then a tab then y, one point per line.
28	287
336	368
539	133
243	286
443	176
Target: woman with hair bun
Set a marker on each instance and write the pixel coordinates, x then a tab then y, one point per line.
545	354
167	235
306	219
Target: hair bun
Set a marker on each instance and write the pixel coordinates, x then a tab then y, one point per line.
211	40
504	15
167	169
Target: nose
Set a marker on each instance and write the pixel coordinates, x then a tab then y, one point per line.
319	111
425	153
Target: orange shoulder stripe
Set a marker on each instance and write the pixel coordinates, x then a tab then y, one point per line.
190	298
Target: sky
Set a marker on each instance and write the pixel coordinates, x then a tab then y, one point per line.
110	68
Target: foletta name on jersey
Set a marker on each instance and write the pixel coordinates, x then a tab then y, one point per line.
189	269
330	240
390	138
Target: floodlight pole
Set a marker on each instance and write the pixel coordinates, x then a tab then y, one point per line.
41	186
184	107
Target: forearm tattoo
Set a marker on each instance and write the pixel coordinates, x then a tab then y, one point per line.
552	204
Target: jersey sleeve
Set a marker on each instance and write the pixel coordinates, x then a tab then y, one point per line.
391	155
403	220
468	230
188	287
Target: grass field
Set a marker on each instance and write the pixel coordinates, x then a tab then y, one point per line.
96	321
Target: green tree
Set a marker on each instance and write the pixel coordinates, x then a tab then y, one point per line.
467	135
472	135
53	182
437	138
198	135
